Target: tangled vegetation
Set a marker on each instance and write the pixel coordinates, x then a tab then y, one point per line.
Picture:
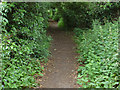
82	14
98	49
97	40
24	43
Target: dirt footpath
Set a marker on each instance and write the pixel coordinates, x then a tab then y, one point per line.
61	67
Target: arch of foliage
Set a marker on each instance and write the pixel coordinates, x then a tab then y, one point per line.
82	14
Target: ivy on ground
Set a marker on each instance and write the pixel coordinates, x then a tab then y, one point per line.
24	43
98	49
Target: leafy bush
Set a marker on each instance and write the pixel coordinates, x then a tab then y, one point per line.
98	49
56	17
24	43
81	14
75	14
104	10
61	23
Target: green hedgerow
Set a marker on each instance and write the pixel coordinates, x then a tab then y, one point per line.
98	49
24	43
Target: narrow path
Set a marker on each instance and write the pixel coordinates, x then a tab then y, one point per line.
61	68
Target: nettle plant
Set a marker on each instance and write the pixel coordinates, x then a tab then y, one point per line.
24	43
98	49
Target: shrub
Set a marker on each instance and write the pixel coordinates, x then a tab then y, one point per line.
61	23
24	43
104	10
98	49
81	14
75	14
56	17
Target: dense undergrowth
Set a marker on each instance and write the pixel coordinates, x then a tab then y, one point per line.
24	43
82	14
96	34
98	49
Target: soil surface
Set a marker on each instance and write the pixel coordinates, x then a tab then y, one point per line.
60	71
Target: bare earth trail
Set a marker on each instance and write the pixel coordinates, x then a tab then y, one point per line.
61	67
